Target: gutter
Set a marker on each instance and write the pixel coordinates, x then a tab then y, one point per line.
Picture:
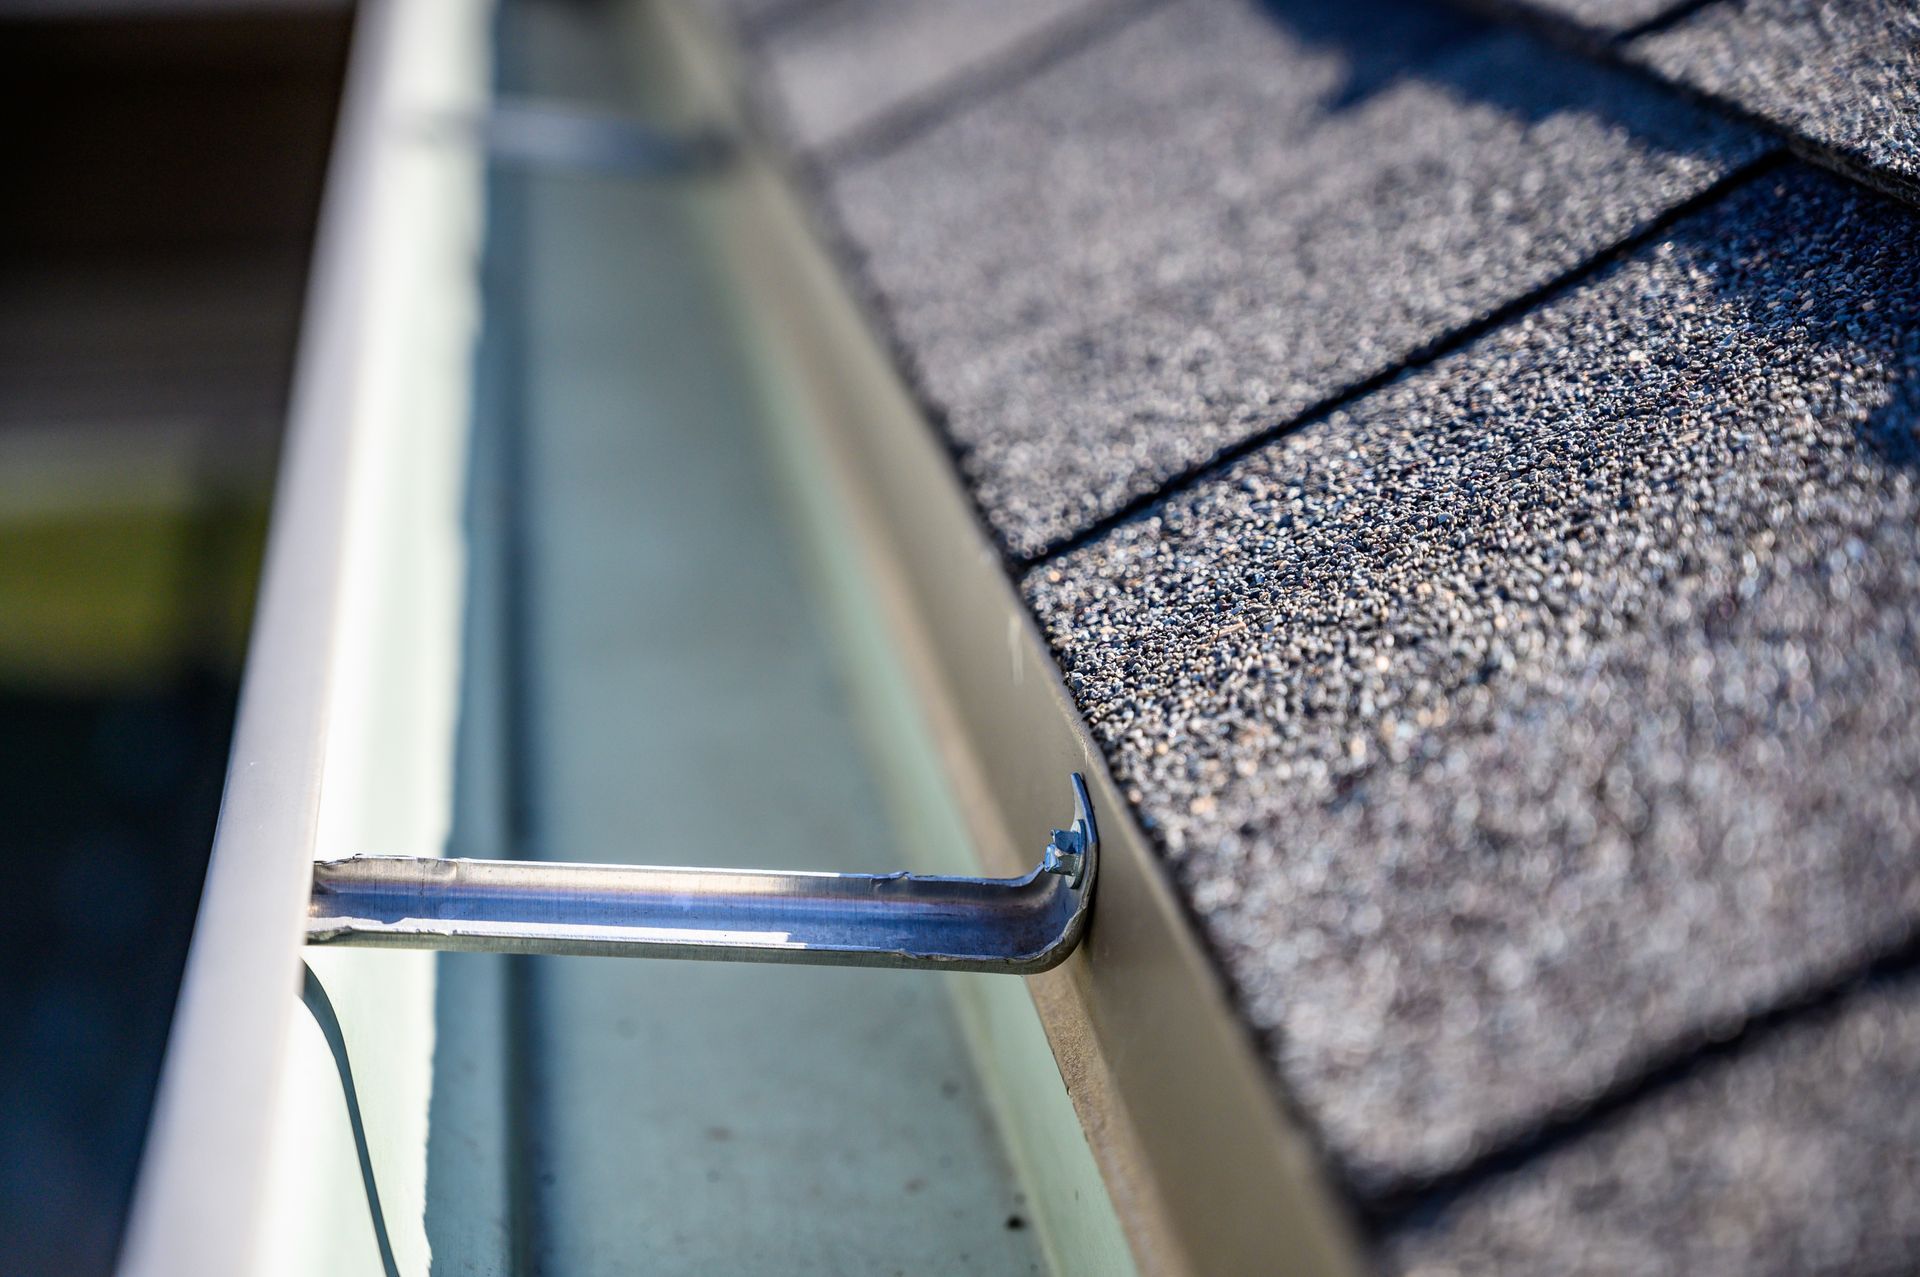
217	1137
1207	1170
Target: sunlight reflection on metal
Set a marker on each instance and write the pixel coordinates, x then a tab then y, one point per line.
1015	925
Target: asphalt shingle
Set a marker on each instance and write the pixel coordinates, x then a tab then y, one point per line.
1553	709
1798	1157
839	69
1222	215
1843	73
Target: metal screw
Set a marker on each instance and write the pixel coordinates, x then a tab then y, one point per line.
1066	853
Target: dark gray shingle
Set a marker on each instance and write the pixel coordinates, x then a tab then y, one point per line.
1556	707
1797	1157
841	68
1220	216
1842	73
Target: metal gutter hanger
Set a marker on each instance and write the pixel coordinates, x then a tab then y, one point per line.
1019	926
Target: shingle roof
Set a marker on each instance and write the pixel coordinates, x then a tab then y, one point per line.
1212	221
1842	76
1555	706
1797	1154
1838	77
848	71
1471	489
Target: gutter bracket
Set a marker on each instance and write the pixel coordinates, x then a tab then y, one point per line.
1018	926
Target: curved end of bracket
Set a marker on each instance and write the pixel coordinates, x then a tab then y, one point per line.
1071	851
1072	854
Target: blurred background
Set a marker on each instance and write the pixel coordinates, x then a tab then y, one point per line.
165	162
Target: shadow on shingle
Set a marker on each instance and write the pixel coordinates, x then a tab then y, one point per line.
1214	223
1382	41
1566	682
1892	432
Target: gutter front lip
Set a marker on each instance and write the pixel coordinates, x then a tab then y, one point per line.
203	1170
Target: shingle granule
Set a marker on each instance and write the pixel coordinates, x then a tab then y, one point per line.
1798	1158
1557	706
1222	215
1844	73
841	67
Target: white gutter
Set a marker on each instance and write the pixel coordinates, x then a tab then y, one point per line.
218	1118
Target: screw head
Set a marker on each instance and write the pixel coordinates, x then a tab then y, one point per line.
1065	854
